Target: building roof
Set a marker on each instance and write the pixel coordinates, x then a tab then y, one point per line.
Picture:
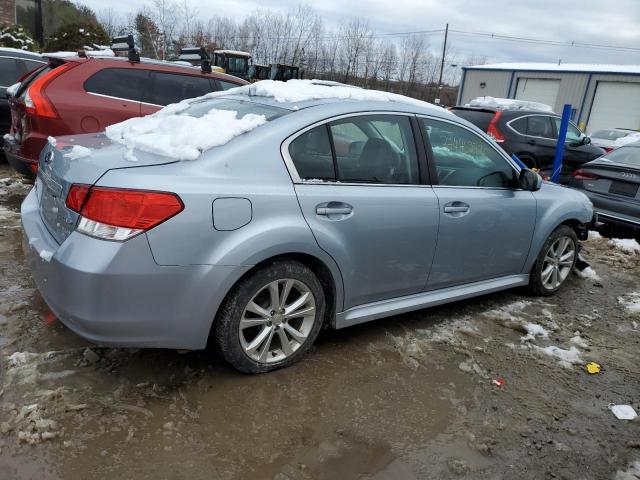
563	67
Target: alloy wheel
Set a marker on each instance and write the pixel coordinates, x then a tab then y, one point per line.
558	262
277	320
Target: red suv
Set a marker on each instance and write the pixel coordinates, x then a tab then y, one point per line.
86	94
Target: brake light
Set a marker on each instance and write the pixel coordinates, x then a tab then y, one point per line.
582	175
35	100
607	149
33	167
119	214
493	131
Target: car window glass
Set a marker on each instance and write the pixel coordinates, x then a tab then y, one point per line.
539	126
519	125
124	83
227	85
8	72
28	66
172	87
375	149
463	159
573	134
311	155
625	154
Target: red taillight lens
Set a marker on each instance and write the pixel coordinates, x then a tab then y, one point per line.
582	175
33	167
76	196
36	102
493	131
607	149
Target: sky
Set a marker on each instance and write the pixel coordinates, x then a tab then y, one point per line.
603	22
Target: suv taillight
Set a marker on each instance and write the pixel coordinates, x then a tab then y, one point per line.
35	100
119	214
582	175
493	131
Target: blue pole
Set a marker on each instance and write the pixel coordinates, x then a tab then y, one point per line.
562	136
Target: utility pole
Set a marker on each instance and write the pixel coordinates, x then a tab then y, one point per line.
39	26
444	52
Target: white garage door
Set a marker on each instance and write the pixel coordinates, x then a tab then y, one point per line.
543	90
615	105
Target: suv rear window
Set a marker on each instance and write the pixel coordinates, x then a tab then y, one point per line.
169	88
126	83
480	118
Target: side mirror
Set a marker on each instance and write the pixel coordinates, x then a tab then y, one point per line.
529	180
586	140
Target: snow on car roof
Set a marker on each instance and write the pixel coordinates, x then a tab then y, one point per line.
508	104
554	67
18	50
233	52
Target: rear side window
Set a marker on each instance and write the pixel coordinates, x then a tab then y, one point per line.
361	149
169	88
463	159
539	126
9	72
519	125
28	66
126	83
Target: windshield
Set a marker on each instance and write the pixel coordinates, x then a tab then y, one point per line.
242	107
629	155
609	134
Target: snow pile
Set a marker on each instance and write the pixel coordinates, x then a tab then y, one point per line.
593	235
579	341
76	152
631	302
60	54
11	91
170	133
626	140
18	359
588	274
566	358
106	52
534	330
506	312
627	245
508	104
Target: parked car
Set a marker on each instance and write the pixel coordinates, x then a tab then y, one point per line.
72	95
336	206
14	64
532	135
611	182
611	138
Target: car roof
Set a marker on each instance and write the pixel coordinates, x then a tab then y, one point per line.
15	52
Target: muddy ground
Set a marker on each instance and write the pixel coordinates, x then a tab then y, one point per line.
415	396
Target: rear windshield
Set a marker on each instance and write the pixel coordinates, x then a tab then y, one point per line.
480	118
609	134
243	108
628	155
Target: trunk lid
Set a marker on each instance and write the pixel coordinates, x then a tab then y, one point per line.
63	164
613	179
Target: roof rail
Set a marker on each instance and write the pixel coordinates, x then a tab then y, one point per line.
191	54
125	43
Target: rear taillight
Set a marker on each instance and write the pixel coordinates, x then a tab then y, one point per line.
607	149
33	167
582	175
119	214
35	100
493	131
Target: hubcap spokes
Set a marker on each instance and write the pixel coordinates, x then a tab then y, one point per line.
558	262
277	320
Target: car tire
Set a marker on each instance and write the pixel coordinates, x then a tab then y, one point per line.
257	331
553	265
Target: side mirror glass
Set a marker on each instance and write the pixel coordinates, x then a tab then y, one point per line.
529	180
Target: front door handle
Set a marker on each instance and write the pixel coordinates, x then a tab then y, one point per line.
333	208
456	209
531	142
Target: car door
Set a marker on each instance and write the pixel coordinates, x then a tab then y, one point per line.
541	140
486	223
358	182
575	152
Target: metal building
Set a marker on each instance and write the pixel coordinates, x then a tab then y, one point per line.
601	96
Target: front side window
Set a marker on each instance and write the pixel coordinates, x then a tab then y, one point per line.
126	83
8	72
227	85
171	87
573	134
539	126
362	149
463	159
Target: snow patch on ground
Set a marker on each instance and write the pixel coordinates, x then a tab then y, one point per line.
508	104
579	341
631	302
182	137
566	358
593	235
77	152
534	330
628	245
5	213
631	473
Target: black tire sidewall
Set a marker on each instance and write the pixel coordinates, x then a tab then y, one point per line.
228	320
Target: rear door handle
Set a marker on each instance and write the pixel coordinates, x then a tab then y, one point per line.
456	209
333	208
460	209
531	142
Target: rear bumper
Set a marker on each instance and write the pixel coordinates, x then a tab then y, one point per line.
114	293
20	164
616	212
